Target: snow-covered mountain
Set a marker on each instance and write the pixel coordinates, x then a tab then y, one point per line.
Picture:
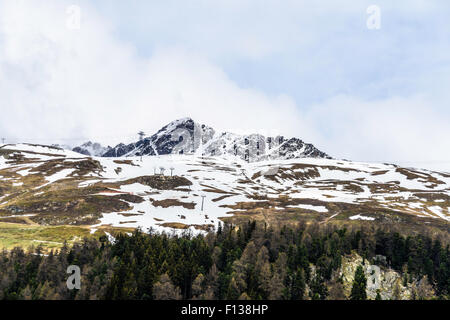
185	136
91	149
51	186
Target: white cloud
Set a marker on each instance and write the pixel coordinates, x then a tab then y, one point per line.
59	83
62	85
399	130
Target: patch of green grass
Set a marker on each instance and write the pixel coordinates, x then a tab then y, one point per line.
24	236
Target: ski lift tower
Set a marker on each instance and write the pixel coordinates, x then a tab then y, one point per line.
203	200
141	135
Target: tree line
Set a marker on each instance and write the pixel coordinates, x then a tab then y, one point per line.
246	262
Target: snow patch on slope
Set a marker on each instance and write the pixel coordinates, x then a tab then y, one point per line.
360	217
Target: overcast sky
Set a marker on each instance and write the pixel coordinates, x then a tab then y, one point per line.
310	69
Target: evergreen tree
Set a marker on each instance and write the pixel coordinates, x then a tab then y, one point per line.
359	285
378	297
318	289
298	285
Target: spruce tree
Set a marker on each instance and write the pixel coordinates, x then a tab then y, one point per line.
378	297
359	285
298	286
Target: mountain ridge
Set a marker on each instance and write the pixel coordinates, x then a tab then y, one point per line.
185	136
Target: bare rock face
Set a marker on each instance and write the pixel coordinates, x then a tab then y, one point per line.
387	282
185	136
91	149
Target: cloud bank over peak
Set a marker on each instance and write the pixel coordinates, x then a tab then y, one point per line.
60	84
291	68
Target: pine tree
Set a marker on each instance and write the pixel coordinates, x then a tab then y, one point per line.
318	289
359	285
378	297
298	286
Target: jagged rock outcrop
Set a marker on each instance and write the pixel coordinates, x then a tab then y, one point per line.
389	283
185	136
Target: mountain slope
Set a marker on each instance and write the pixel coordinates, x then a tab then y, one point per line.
51	186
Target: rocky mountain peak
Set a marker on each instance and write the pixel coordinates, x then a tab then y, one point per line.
91	149
185	136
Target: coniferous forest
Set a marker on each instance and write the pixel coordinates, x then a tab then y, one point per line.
250	262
